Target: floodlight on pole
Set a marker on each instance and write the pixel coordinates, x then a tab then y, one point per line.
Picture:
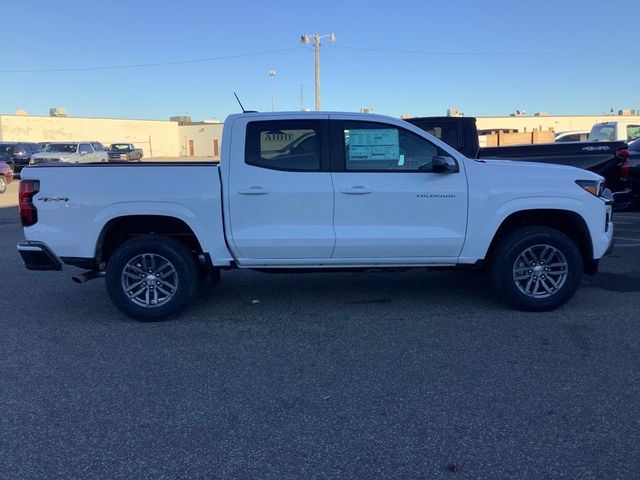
305	40
272	74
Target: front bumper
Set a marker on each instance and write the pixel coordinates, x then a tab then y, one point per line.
37	256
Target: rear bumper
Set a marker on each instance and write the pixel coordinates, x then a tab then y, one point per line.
37	256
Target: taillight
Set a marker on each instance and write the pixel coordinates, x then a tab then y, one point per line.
623	154
28	211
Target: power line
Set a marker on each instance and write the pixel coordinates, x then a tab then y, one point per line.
461	54
146	65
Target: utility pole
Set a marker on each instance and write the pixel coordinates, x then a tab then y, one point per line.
305	39
272	74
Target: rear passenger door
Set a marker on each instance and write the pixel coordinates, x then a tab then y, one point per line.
281	195
85	151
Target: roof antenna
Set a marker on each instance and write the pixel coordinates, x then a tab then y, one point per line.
239	102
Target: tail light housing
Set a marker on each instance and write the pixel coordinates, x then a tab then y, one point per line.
28	211
623	154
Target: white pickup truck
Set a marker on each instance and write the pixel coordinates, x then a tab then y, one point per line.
316	191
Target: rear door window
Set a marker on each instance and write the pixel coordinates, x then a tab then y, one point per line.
284	145
85	148
603	133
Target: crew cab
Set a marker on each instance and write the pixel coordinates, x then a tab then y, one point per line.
71	152
315	191
124	152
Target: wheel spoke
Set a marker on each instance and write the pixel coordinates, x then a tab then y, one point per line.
134	268
163	291
545	286
135	285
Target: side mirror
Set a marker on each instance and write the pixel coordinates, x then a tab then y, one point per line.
445	165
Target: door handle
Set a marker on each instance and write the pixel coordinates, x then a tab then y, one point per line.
253	191
357	190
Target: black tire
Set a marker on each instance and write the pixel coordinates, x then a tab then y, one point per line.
524	293
157	249
12	166
3	184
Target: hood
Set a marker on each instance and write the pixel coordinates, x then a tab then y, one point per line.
49	155
536	169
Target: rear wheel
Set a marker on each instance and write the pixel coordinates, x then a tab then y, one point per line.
151	278
3	184
536	268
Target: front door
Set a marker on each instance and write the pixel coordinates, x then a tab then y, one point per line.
281	196
389	202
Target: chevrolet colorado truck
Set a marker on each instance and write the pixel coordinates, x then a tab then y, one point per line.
316	191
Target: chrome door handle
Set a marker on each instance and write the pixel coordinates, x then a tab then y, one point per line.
357	190
253	191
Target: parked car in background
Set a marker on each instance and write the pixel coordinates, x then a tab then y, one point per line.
17	154
124	152
6	176
72	152
615	131
572	136
607	159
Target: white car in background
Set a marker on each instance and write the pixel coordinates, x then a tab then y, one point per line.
71	152
572	136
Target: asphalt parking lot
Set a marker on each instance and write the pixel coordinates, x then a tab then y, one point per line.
414	375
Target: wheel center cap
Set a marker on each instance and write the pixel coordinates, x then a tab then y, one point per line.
538	269
151	277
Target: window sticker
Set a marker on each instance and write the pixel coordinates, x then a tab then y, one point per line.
373	144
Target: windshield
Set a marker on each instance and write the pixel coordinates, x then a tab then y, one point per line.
119	147
603	133
61	147
7	148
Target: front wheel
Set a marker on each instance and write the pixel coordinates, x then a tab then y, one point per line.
536	268
151	278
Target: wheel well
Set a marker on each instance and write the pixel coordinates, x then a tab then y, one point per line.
119	230
567	222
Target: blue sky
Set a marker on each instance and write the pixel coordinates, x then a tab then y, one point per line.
486	58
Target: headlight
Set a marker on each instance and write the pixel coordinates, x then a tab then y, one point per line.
594	187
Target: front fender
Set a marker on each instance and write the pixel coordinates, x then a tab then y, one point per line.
482	230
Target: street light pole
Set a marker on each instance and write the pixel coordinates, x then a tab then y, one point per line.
302	85
305	39
272	74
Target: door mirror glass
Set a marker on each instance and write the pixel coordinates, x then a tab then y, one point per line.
442	164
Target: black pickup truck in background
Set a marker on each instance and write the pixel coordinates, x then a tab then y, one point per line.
608	159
